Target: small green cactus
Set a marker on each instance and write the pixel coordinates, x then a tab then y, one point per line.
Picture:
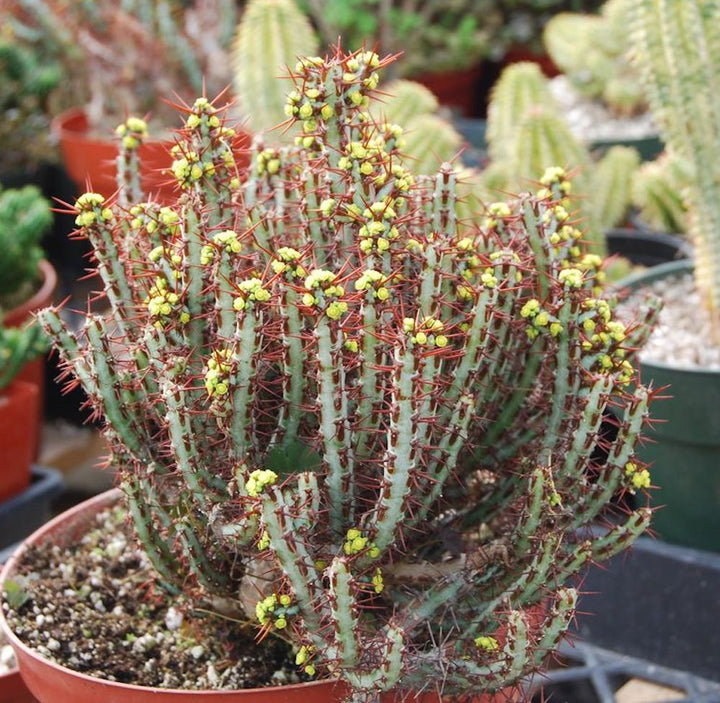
24	218
269	38
319	374
591	50
677	49
658	193
18	345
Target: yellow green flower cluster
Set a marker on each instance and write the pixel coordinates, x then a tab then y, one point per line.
426	332
273	609
161	302
267	162
259	480
302	657
203	108
374	281
639	478
356	542
251	290
378	229
539	319
227	240
495	213
486	643
91	211
217	372
322	290
286	263
188	167
603	335
132	132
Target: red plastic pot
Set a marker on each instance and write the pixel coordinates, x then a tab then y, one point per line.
51	683
455	89
91	160
19	409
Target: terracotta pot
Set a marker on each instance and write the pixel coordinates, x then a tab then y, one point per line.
19	404
34	371
455	89
91	160
51	683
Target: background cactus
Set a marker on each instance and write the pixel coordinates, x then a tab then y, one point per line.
335	407
428	139
592	51
26	82
677	49
122	58
658	192
527	133
18	345
269	38
24	218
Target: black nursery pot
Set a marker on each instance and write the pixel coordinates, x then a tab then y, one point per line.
658	602
647	248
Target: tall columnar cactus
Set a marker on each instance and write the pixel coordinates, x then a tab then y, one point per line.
24	218
527	133
592	51
677	48
521	87
333	406
269	38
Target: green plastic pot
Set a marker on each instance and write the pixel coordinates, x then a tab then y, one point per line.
683	444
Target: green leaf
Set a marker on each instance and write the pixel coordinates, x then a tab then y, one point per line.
292	457
16	595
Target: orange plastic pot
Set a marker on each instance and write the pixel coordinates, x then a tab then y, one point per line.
51	683
19	408
90	160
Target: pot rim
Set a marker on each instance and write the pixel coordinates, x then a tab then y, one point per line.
637	281
98	502
17	315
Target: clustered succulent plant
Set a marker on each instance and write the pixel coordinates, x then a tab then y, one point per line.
364	425
677	50
26	82
592	51
25	217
